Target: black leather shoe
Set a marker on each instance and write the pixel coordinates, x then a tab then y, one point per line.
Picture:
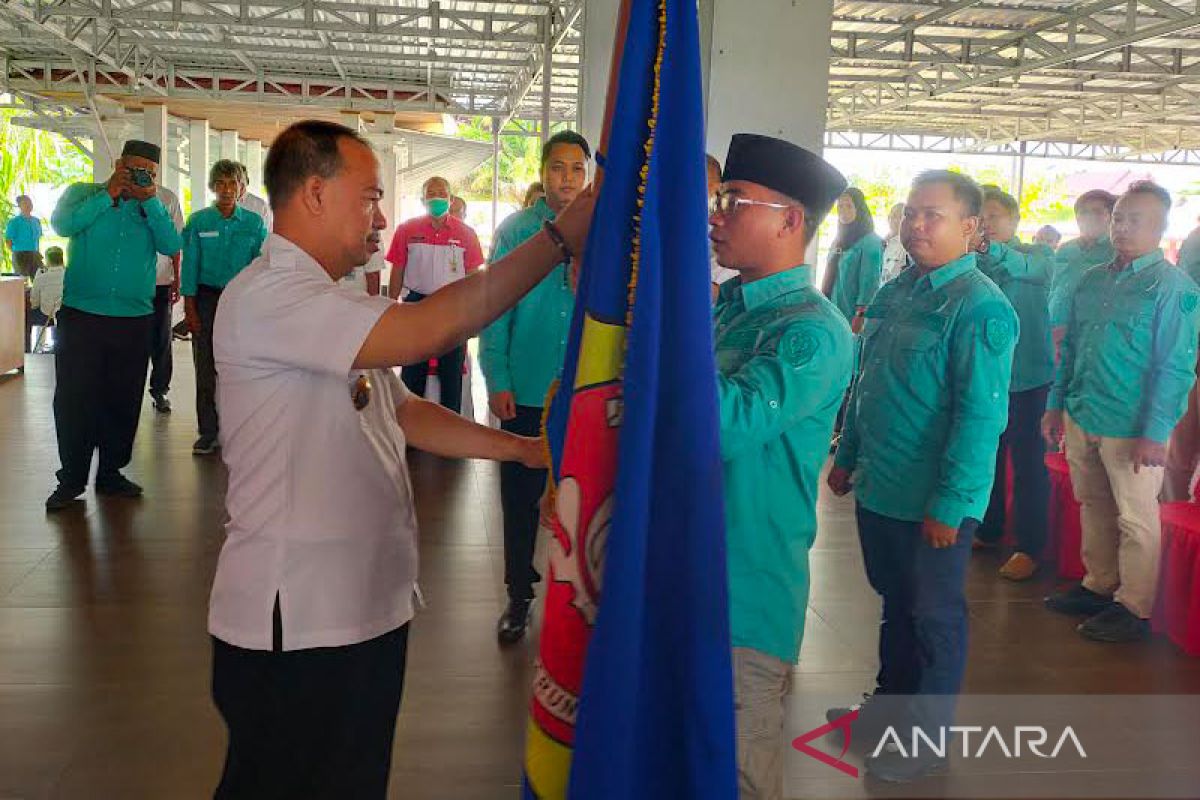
513	622
161	404
118	486
62	498
892	765
1078	600
870	724
1115	624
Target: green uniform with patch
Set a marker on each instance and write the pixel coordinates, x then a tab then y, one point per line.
1023	273
1128	358
784	357
1071	261
931	399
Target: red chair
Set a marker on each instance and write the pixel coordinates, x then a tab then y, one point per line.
1066	530
1177	608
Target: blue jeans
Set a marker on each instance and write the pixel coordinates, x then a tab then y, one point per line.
1022	444
923	638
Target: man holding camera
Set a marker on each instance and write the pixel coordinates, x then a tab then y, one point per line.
115	231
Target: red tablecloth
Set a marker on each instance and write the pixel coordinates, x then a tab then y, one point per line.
1177	610
1066	532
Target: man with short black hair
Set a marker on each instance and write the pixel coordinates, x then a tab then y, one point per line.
1128	361
427	253
313	592
23	236
522	355
1093	248
116	230
218	243
784	358
1023	273
920	438
166	295
251	201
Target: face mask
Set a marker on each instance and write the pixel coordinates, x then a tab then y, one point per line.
438	206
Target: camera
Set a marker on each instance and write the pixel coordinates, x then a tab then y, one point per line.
140	176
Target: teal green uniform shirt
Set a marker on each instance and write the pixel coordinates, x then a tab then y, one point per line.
784	358
25	233
1129	354
522	352
1189	256
216	249
931	399
1023	273
860	271
1070	262
112	250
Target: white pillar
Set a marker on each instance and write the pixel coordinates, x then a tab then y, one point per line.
229	145
351	119
105	150
599	26
254	164
388	171
781	38
198	162
155	131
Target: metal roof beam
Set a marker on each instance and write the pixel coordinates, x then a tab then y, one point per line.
1064	56
340	16
564	17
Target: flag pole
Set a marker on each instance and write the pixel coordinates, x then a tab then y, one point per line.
614	74
610	99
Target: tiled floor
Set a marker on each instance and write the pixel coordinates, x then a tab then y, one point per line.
104	659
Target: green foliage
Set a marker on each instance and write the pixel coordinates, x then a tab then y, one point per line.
33	157
1044	198
520	162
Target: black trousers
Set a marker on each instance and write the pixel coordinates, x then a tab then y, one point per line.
1022	444
100	372
206	366
521	489
162	365
449	371
313	723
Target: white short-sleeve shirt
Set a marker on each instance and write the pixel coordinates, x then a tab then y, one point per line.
358	276
319	499
252	202
164	272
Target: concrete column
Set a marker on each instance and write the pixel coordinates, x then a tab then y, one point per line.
783	43
389	161
199	160
229	145
599	26
254	165
156	131
102	158
351	119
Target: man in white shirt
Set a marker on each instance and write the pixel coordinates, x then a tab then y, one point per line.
313	591
895	259
166	295
252	202
367	277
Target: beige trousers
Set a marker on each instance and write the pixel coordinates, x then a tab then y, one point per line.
1122	533
760	682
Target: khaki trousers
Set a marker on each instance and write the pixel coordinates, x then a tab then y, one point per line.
1122	533
760	682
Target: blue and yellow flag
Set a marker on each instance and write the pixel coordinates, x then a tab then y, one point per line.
633	688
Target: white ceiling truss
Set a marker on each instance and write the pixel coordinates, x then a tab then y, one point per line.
1102	78
480	57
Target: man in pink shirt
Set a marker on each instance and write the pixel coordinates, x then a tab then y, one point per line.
427	253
